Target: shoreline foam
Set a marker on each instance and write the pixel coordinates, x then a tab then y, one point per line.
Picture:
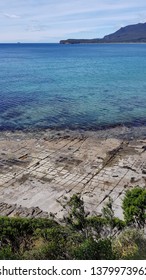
118	132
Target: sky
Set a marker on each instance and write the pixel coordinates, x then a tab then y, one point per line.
49	21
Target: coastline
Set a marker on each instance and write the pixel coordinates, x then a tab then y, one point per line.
41	170
117	131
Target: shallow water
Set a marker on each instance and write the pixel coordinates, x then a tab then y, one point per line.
72	86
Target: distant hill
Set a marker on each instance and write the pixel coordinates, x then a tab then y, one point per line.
135	33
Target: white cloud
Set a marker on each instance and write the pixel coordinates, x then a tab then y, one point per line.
62	18
11	16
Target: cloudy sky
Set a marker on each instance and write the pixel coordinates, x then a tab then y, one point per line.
53	20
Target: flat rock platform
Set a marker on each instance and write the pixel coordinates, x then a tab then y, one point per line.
40	171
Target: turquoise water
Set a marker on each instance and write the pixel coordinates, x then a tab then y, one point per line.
72	86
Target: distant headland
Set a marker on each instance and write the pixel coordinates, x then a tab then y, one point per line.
135	33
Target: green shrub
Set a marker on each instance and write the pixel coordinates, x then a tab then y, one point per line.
130	245
76	214
81	237
134	206
93	250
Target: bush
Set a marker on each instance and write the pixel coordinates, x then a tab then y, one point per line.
130	245
94	250
134	206
76	214
81	237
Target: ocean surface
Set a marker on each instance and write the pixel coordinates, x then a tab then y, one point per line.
90	86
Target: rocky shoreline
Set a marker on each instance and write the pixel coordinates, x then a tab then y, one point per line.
41	170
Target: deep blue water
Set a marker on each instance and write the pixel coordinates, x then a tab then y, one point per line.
72	86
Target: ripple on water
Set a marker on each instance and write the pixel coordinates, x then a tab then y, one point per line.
87	87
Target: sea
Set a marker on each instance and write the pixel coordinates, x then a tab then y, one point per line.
83	86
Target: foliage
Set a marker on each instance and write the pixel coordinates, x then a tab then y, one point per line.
134	206
76	214
95	250
81	236
16	234
108	212
96	226
130	244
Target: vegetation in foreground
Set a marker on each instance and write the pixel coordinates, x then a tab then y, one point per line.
79	236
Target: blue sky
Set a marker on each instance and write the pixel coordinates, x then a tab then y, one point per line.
53	20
